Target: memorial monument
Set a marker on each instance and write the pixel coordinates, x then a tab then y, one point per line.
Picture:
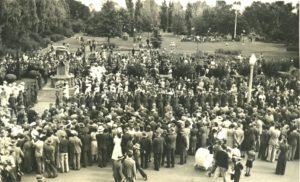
62	74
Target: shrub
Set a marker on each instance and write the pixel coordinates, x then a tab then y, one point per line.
183	70
56	37
10	78
136	69
220	71
228	52
271	67
68	32
28	44
293	48
33	74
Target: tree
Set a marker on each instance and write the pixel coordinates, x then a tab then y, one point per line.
130	9
188	18
170	16
164	16
178	23
156	39
137	15
108	22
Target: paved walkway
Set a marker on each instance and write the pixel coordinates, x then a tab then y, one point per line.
262	172
45	96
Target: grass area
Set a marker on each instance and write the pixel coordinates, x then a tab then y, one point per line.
270	50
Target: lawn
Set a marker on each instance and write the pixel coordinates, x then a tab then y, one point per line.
270	50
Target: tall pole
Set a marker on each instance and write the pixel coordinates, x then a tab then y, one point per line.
250	84
235	24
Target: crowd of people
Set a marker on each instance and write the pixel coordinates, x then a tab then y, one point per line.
134	120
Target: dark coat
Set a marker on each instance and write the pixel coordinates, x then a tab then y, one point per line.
158	145
171	141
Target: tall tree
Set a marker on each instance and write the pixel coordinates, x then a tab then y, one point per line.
137	15
164	16
130	9
108	22
170	16
178	23
188	18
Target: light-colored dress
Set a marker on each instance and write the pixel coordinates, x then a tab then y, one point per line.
94	145
117	148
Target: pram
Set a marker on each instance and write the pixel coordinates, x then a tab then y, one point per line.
203	159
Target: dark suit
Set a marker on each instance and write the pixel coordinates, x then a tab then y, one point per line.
86	149
102	141
50	168
170	148
124	143
129	169
145	151
158	147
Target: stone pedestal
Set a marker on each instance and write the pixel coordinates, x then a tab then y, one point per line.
62	76
58	80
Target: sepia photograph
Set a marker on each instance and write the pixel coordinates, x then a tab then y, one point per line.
149	90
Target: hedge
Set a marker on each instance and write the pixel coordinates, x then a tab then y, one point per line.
10	78
271	67
228	52
56	37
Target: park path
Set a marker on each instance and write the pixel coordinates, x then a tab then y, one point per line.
45	96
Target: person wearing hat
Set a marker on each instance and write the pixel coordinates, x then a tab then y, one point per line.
38	153
118	169
158	147
222	163
129	167
170	147
102	143
75	149
137	159
48	155
63	153
86	140
145	144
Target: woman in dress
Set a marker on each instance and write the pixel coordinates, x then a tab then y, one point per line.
230	136
117	151
281	163
94	145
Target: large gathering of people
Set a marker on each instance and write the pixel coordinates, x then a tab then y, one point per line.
114	117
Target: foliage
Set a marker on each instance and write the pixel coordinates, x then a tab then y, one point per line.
27	24
56	37
170	16
33	74
183	70
106	22
188	18
275	21
178	23
164	16
156	39
137	15
136	69
10	78
220	71
228	52
271	67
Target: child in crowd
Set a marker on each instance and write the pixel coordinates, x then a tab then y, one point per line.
249	164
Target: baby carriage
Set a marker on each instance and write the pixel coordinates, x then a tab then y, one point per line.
203	159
